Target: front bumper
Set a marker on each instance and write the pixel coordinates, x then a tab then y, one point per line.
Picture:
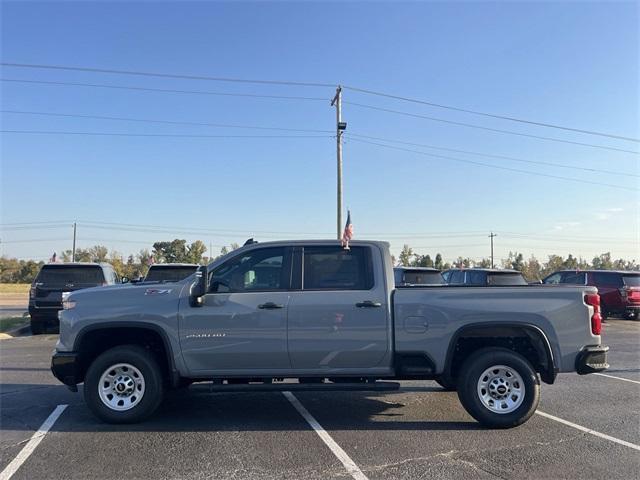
592	359
65	366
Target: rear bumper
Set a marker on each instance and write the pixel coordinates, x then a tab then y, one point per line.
592	359
65	366
49	314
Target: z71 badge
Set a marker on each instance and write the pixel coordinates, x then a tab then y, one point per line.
157	291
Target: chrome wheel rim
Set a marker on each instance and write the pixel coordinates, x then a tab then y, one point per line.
121	387
501	389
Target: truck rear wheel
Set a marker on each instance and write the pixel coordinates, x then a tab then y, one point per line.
499	388
123	385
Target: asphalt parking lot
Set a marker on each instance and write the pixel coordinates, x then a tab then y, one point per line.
419	432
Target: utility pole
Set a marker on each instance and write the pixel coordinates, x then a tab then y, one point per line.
73	252
491	237
340	128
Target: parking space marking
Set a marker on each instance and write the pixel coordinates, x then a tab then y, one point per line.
28	449
349	464
618	378
589	431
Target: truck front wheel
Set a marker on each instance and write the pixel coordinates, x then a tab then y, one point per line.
123	385
499	388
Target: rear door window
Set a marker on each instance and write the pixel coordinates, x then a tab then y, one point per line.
475	278
457	277
631	280
504	279
334	268
607	279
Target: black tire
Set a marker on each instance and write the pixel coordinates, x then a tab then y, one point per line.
468	385
38	327
447	383
141	359
633	314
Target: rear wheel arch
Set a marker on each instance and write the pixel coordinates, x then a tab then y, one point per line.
100	337
523	338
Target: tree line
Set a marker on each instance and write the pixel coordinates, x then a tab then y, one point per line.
13	270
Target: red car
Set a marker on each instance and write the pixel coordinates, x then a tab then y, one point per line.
619	290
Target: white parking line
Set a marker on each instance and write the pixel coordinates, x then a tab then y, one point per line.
349	464
617	378
28	449
589	431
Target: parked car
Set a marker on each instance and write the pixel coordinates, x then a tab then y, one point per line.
170	272
314	310
619	290
488	277
417	276
55	279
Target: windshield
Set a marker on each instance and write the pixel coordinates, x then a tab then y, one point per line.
505	279
631	280
169	274
57	276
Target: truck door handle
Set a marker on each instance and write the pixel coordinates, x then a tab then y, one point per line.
368	304
270	306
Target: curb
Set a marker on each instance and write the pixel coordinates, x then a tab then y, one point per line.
16	332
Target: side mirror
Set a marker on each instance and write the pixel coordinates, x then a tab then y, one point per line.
125	280
200	287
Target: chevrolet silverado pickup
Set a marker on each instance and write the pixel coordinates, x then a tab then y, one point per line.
313	315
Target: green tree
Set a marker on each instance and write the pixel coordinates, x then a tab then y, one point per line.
438	262
422	261
174	251
195	251
406	256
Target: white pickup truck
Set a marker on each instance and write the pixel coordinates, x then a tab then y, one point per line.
330	318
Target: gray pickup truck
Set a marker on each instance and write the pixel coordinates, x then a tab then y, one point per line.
270	313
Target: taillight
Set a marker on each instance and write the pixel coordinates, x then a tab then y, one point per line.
32	291
593	299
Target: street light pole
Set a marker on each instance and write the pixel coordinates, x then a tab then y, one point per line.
491	237
73	252
340	127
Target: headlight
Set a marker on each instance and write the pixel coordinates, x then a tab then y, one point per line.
66	303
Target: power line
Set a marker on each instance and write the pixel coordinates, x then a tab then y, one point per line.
491	115
528	172
166	75
536	162
480	127
168	122
165	90
121	134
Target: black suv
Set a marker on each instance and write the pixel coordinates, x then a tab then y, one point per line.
486	277
54	279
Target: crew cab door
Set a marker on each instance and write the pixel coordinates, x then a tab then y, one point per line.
339	314
242	322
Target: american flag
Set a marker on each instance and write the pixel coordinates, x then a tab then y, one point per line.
347	235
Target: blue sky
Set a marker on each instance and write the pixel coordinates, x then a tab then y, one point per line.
566	63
